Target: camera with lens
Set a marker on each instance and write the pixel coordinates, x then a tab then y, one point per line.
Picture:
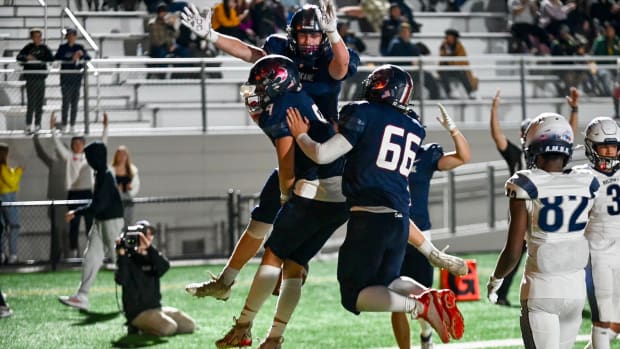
130	239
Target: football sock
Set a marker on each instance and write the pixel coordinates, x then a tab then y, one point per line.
600	337
290	293
229	275
382	299
425	328
264	281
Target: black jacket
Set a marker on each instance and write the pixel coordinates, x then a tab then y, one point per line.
41	53
139	277
107	203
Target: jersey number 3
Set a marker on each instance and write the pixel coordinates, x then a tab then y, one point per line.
392	155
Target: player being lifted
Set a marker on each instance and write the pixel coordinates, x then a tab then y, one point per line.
323	61
313	205
602	137
380	141
549	209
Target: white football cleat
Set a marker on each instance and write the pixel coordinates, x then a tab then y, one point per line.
212	288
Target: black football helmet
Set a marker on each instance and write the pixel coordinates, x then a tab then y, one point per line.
306	20
389	84
269	77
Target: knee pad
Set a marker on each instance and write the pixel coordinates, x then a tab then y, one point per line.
258	230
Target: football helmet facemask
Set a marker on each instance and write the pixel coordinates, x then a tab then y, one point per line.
306	20
269	77
602	131
548	133
389	84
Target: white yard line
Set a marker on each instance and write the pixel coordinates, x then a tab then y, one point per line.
499	343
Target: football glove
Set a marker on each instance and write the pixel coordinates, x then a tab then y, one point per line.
191	18
454	265
445	120
492	286
327	16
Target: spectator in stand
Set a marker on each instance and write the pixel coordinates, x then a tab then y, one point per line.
452	47
56	189
78	180
606	44
523	14
127	179
35	56
226	20
246	25
389	27
72	56
605	11
565	45
553	14
267	18
9	186
402	46
163	31
350	39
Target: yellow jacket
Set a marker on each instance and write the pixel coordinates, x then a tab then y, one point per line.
10	178
219	18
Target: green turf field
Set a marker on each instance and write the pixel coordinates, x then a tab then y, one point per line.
40	321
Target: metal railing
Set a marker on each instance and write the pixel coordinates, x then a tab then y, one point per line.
210	85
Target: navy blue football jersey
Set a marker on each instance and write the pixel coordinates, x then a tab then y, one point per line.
315	78
385	142
424	166
273	123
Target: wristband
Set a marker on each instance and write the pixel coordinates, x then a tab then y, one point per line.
574	109
334	37
213	36
455	132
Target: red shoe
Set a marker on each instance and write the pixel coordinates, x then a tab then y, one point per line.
441	312
456	327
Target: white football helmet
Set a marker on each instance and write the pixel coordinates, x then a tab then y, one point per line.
548	133
602	131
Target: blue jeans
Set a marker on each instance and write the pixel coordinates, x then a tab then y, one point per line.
11	220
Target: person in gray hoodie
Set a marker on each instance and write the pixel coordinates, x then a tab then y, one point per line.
56	190
107	209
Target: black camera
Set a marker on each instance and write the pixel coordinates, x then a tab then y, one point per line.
130	239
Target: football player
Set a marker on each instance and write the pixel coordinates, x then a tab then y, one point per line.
323	61
549	210
602	137
380	141
430	158
313	205
513	155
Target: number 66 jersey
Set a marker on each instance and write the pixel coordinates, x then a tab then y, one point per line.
558	205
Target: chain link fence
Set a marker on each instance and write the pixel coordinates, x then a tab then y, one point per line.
200	227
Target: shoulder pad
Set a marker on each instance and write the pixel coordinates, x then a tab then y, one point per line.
349	117
521	186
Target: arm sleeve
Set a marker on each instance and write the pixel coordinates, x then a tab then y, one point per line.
101	198
135	182
25	51
62	150
121	275
160	263
86	56
47	160
324	153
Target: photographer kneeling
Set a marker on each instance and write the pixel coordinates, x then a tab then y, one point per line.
140	266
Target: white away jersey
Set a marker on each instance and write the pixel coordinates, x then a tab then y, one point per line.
604	221
558	205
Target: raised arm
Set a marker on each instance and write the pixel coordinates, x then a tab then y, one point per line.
339	65
321	153
41	153
573	103
104	134
191	18
462	153
496	132
61	149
